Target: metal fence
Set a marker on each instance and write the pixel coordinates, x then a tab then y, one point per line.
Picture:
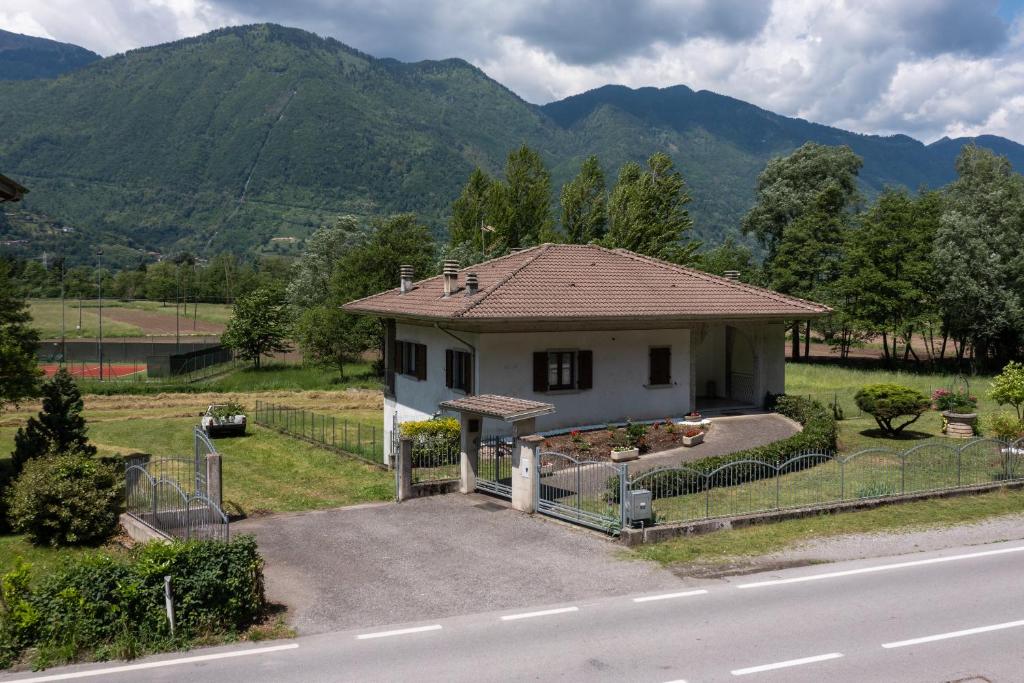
348	437
683	494
433	458
578	490
171	495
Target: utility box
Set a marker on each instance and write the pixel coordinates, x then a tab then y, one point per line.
638	507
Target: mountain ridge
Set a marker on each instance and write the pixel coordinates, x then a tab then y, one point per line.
232	138
24	57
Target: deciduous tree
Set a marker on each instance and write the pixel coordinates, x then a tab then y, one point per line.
259	326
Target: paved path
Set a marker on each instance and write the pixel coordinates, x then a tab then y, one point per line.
943	616
432	558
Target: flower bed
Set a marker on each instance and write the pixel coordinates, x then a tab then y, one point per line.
597	444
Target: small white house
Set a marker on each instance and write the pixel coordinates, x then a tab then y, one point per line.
605	335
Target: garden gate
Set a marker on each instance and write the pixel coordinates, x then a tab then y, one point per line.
586	492
494	466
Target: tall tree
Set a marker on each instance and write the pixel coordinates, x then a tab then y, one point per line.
521	205
19	373
313	271
647	211
58	428
788	190
979	257
731	255
585	204
259	326
471	212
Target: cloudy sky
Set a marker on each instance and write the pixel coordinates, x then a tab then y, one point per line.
926	68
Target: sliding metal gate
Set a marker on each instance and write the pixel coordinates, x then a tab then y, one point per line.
494	470
586	492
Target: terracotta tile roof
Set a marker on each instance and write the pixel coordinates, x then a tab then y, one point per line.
566	282
505	408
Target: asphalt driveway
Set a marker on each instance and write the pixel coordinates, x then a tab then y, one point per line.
434	557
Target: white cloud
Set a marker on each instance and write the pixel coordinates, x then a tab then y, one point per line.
923	67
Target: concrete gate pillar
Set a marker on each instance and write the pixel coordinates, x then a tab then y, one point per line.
469	460
403	471
525	465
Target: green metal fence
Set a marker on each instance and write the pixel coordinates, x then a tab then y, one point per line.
349	437
683	494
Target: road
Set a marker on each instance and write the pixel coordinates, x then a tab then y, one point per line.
954	615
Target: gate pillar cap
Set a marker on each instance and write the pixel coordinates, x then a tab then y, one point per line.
532	439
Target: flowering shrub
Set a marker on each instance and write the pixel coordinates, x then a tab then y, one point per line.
691	432
958	401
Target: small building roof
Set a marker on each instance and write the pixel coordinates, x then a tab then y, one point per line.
506	408
10	191
569	282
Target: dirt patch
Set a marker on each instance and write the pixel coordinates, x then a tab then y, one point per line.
161	322
597	444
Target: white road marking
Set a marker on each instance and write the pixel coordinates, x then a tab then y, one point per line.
398	632
155	665
954	634
542	613
882	568
786	664
669	596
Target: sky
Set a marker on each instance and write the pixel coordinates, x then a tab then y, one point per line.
925	68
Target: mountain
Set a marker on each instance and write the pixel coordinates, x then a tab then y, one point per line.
23	57
234	138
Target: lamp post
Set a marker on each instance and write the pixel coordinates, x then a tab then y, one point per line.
99	298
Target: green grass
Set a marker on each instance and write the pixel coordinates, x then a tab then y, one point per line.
46	316
767	538
831	384
43	559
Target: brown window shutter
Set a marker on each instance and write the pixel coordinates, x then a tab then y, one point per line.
586	370
421	361
540	371
467	358
398	357
449	368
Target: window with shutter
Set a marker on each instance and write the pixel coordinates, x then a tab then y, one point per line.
660	369
421	362
540	371
449	368
459	370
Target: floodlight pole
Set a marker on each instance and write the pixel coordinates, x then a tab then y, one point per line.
99	292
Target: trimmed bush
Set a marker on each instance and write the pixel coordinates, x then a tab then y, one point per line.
887	403
66	499
818	436
100	607
434	442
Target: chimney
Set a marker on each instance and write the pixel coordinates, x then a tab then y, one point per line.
451	277
733	275
472	283
405	278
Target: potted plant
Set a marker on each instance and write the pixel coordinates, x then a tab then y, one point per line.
624	453
692	437
959	411
693	416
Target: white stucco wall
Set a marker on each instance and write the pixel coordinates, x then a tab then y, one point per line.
620	374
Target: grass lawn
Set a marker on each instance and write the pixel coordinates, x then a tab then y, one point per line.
831	384
766	538
46	316
43	560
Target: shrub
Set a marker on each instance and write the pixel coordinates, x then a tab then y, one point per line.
959	401
1006	427
102	607
889	402
1008	387
229	409
636	434
434	442
66	499
818	436
59	426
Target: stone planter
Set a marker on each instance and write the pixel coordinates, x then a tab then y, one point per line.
625	455
693	440
960	425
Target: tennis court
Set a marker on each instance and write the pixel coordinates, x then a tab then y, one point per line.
86	369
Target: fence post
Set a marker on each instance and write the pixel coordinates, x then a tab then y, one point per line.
525	472
778	486
623	492
403	472
214	485
707	496
959	465
842	479
903	474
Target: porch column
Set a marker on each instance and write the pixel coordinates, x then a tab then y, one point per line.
525	465
469	460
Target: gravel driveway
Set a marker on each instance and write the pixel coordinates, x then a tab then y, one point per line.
434	557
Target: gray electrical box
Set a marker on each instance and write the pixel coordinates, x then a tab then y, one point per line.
638	507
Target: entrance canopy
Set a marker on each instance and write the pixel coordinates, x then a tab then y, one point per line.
504	408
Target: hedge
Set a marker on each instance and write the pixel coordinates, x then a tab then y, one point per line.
818	436
434	442
102	607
